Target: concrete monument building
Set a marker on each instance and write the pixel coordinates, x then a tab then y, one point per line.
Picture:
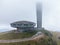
27	25
23	25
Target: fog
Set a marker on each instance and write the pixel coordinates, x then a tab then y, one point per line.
17	10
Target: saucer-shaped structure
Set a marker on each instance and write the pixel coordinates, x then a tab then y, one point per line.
23	25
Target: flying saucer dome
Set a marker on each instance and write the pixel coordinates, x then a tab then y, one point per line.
20	24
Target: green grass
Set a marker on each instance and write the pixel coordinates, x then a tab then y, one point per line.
46	32
47	40
43	41
20	43
17	35
58	42
55	37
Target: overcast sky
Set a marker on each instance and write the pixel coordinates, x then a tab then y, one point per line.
17	10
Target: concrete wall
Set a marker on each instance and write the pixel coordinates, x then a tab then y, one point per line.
39	15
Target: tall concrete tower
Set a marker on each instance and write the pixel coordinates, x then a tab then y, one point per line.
39	15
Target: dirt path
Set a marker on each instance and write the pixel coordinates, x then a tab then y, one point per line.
14	40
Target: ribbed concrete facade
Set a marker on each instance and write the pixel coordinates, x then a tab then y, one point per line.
39	15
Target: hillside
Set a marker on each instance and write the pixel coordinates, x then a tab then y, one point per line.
56	36
41	41
13	35
45	40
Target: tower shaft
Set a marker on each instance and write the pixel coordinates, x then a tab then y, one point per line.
39	16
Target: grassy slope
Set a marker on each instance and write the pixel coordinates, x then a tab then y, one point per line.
42	41
19	43
55	37
16	35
